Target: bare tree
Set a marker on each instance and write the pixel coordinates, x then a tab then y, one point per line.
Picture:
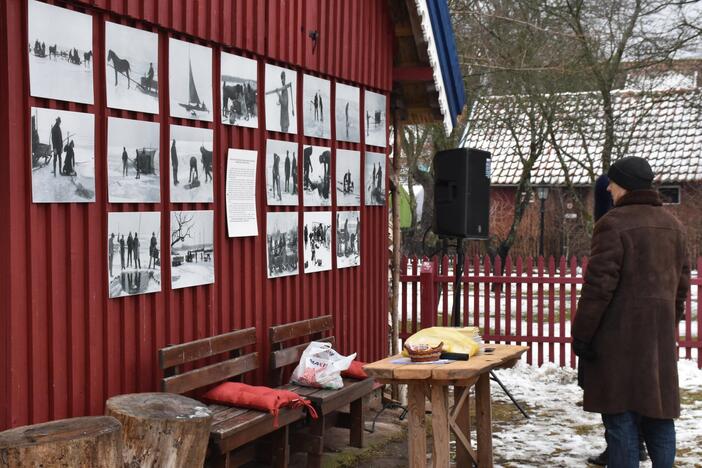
182	232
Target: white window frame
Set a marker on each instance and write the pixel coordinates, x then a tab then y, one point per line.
676	187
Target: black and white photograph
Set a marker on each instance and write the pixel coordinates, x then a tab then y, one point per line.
348	239
375	178
190	80
281	173
281	244
281	92
375	119
60	43
131	68
239	83
191	160
133	172
133	253
192	248
348	127
348	178
316	176
63	156
316	100
317	238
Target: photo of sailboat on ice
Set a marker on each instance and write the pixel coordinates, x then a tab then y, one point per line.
190	80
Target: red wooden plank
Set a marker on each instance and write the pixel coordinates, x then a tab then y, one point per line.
476	292
573	301
487	271
551	308
530	308
508	299
519	299
497	292
562	310
540	306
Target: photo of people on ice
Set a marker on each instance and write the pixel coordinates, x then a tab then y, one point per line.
347	113
133	253
317	237
348	177
316	102
375	105
281	243
133	173
191	160
63	156
192	248
316	176
375	178
281	95
281	173
348	239
60	53
239	82
190	80
131	68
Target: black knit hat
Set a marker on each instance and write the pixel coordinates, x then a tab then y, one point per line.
632	173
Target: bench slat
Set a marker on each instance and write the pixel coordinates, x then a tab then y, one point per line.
299	329
291	355
179	354
332	400
207	375
250	426
230	412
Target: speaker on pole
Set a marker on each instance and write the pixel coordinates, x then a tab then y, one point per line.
462	193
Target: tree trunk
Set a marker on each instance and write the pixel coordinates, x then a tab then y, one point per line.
94	441
161	429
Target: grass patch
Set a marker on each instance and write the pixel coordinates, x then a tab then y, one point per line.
352	460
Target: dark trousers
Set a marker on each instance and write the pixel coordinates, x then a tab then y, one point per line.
622	433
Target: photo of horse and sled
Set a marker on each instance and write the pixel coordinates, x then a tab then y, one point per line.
238	78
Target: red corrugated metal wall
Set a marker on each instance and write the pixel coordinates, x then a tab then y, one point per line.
65	347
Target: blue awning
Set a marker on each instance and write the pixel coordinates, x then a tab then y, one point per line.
438	32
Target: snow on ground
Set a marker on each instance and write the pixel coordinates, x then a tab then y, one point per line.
48	187
59	79
192	274
559	432
147	188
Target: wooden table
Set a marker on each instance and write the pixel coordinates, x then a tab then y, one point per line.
433	380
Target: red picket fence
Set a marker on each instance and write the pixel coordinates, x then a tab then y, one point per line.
526	302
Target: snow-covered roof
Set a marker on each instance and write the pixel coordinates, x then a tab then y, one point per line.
663	127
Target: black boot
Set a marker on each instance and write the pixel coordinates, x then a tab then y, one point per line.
600	459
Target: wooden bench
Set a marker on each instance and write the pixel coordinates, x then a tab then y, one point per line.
234	431
327	402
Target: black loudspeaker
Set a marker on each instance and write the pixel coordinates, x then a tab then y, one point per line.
462	193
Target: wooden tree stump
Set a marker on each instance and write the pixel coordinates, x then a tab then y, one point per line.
94	441
161	429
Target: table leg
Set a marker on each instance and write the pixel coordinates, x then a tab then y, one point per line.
440	425
417	426
461	418
483	421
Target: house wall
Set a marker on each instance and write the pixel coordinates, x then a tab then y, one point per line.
64	346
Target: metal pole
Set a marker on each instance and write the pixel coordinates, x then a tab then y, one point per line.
541	236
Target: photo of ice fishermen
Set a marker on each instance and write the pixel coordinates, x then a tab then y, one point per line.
316	94
131	68
317	241
347	113
133	253
316	176
239	87
281	173
281	242
281	92
63	162
348	239
348	177
375	178
191	160
133	166
60	53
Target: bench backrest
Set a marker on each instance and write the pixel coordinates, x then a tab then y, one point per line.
172	358
315	329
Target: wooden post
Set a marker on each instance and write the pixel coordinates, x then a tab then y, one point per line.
94	441
162	429
463	456
427	286
417	426
396	241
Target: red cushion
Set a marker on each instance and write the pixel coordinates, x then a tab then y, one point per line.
355	371
258	398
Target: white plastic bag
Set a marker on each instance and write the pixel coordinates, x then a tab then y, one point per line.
320	366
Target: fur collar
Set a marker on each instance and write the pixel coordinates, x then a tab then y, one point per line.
640	197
